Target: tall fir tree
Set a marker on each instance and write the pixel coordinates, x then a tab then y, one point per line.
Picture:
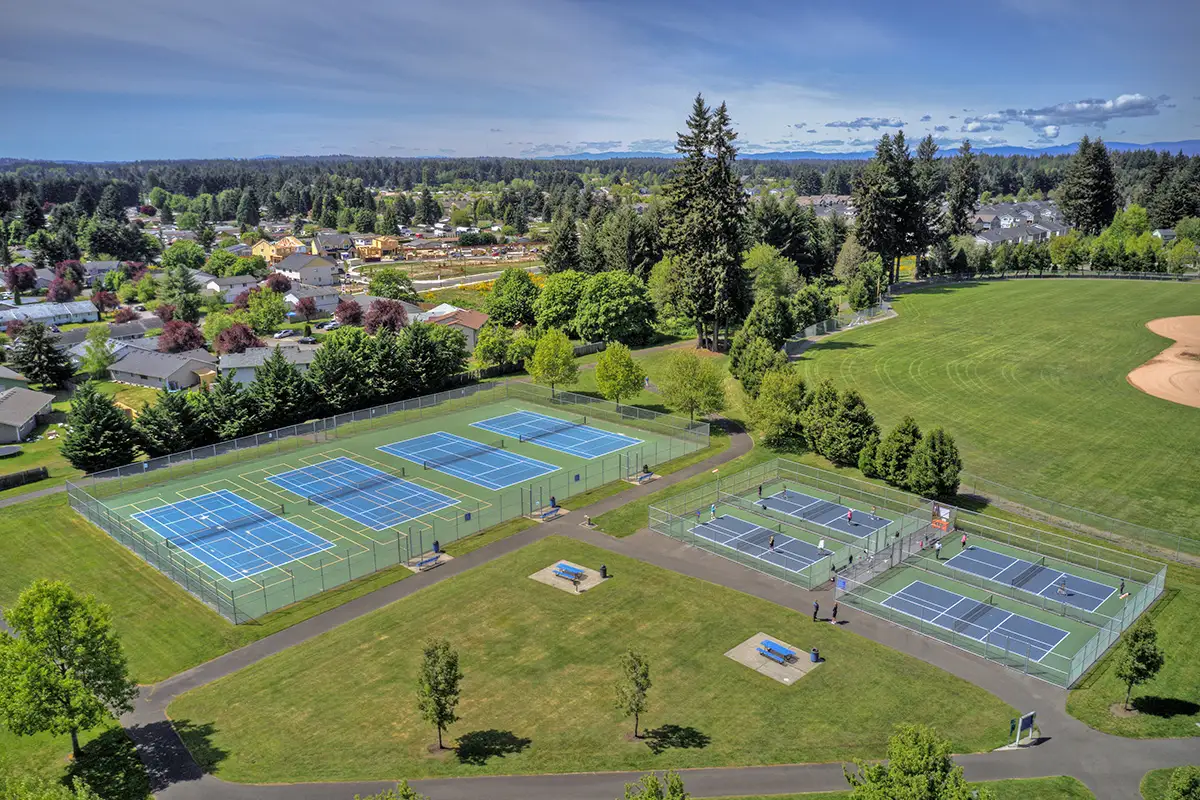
880	203
962	192
279	391
929	225
36	355
109	206
563	252
168	425
247	210
1088	193
99	435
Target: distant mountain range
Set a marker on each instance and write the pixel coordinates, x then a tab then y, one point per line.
1190	147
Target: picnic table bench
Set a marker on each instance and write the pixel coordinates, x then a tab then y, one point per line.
572	574
776	652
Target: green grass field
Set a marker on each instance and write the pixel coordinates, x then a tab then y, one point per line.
342	706
360	550
1029	376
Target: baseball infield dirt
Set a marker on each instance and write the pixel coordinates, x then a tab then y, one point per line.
1173	374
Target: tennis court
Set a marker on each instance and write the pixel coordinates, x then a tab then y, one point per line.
232	536
1032	577
977	620
486	465
366	495
754	540
572	435
826	513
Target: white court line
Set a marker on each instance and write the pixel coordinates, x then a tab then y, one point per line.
381	501
742	537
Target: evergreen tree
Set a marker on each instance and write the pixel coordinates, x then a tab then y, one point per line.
962	193
223	409
848	431
84	201
591	251
109	207
1088	193
429	210
819	411
769	319
391	376
247	209
934	466
166	426
338	375
36	355
894	452
867	457
279	392
929	225
99	435
651	787
778	411
563	251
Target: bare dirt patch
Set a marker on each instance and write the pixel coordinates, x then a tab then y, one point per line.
1173	374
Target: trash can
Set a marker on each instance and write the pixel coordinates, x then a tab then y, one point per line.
814	656
603	571
437	547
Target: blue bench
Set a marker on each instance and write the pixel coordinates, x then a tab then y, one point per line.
775	649
570	573
778	659
426	562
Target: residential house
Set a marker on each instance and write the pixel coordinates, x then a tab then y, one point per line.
94	271
10	379
43	277
469	322
117	331
373	247
1018	234
201	277
20	410
274	252
308	269
243	365
332	245
325	297
162	370
365	300
241	250
171	237
51	313
1165	235
228	288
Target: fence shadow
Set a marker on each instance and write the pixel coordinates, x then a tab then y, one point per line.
478	747
675	737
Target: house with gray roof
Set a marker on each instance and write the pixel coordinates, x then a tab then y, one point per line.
243	365
50	313
96	270
11	379
325	297
334	245
308	269
160	370
119	331
19	412
228	288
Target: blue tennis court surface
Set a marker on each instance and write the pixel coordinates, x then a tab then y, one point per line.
366	495
755	540
1034	578
484	465
232	536
572	436
825	513
978	620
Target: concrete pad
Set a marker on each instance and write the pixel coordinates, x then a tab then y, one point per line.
548	514
440	558
638	481
591	578
747	655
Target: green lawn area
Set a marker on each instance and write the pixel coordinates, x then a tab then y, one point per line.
1154	784
1029	376
132	396
1060	788
1170	704
529	651
40	453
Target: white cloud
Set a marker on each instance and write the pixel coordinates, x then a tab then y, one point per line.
926	118
941	128
874	123
1094	112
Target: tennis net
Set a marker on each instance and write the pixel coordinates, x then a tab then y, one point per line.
350	488
1030	573
974	615
566	425
462	455
224	527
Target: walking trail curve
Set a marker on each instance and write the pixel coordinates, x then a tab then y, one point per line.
1110	766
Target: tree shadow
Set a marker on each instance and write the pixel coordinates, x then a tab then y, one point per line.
679	737
162	746
109	764
477	747
1165	707
837	344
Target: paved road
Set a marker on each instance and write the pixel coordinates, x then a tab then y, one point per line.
1110	766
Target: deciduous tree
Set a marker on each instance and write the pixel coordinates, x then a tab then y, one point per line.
439	686
62	669
614	307
98	354
235	337
278	282
385	315
393	284
178	336
692	384
348	312
617	374
492	344
1140	658
778	411
1184	784
266	310
558	301
512	298
633	686
919	766
553	361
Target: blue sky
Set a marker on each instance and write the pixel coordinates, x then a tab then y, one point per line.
129	79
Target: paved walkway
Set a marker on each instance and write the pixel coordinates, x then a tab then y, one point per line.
1110	766
21	498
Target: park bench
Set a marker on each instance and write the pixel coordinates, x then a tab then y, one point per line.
428	562
568	572
776	652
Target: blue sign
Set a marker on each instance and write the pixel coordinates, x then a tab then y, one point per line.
841	583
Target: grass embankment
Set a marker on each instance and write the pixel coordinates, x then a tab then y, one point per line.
342	706
1155	783
1029	377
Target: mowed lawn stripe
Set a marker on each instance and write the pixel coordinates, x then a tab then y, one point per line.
1029	376
540	666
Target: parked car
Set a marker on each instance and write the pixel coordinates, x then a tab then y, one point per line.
332	325
285	333
307	340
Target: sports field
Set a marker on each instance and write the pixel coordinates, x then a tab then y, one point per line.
1030	378
254	530
539	665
